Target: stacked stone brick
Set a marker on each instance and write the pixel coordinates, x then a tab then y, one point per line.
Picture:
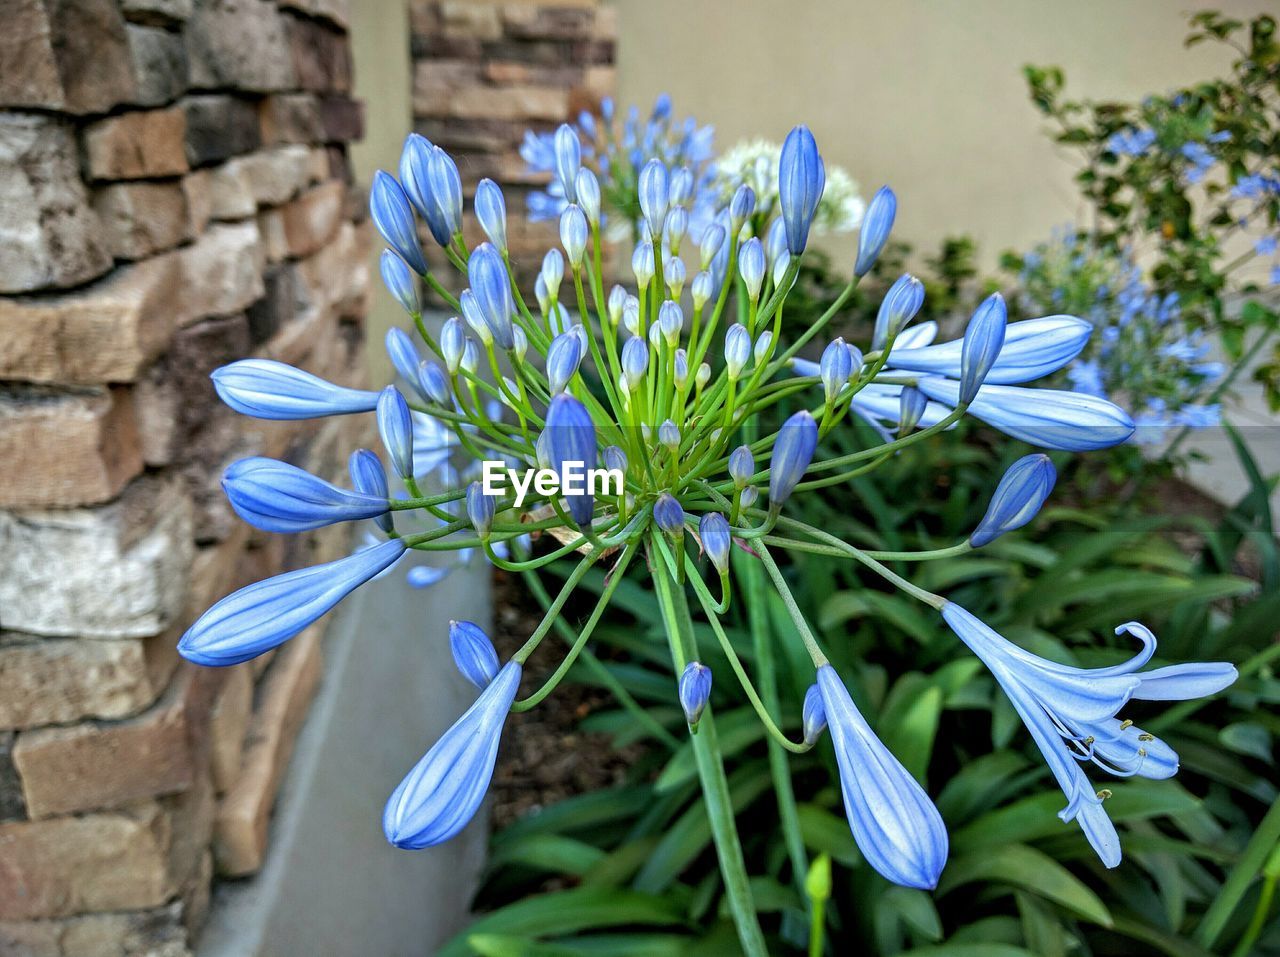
175	195
486	71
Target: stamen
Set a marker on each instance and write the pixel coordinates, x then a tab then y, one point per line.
1104	794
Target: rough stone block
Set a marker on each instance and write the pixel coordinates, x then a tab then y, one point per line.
221	272
63	449
196	189
274	176
276	307
107	332
464	18
98	862
535	21
118	571
230	197
56	681
12	807
219	127
342	118
71	56
48	235
321	56
159	65
515	102
152	933
240	837
290	118
142	219
310	221
97	765
239	44
157	13
139	145
337	12
228	723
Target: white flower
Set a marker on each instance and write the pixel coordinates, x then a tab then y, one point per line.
755	163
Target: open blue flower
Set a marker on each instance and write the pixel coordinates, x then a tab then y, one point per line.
442	793
1071	714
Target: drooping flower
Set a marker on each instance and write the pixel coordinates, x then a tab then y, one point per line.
713	529
1071	714
694	691
266	389
473	653
480	509
1017	499
261	616
278	497
896	826
442	793
792	452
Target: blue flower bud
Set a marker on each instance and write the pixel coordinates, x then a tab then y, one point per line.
712	239
1017	499
741	207
751	266
742	465
713	529
631	315
673	231
780	266
668	515
680	369
552	273
761	349
564	355
983	340
616	459
574	234
703	375
446	194
395	426
473	653
491	285
399	282
519	342
572	439
899	307
278	497
653	195
393	218
474	317
775	243
403	354
491	212
568	160
432	382
749	496
813	715
470	356
617	302
261	616
266	389
480	510
671	321
701	289
911	404
681	186
643	264
737	349
635	361
453	342
835	368
694	691
877	223
588	194
369	478
669	435
801	179
792	451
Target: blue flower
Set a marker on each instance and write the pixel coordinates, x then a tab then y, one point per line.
792	452
912	405
266	389
473	652
694	691
876	226
737	349
444	214
813	715
480	509
564	356
369	478
393	218
741	206
491	212
278	497
1265	246
896	826
261	616
980	348
835	368
395	426
491	286
1071	714
1032	348
899	307
399	282
668	515
442	793
1017	499
567	156
403	353
751	266
1131	142
713	529
574	233
742	465
801	178
654	196
571	438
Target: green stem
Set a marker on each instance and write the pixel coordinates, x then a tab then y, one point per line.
706	751
1252	860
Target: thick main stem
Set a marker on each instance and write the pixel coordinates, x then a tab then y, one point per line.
706	751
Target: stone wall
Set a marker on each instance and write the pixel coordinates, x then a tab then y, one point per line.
486	71
176	194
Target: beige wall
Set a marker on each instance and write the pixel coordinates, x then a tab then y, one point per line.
924	95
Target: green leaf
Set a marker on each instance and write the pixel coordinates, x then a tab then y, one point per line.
910	726
737	730
825	832
916	910
548	852
1024	867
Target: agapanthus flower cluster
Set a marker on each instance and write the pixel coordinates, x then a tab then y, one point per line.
1142	354
755	163
700	423
615	151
